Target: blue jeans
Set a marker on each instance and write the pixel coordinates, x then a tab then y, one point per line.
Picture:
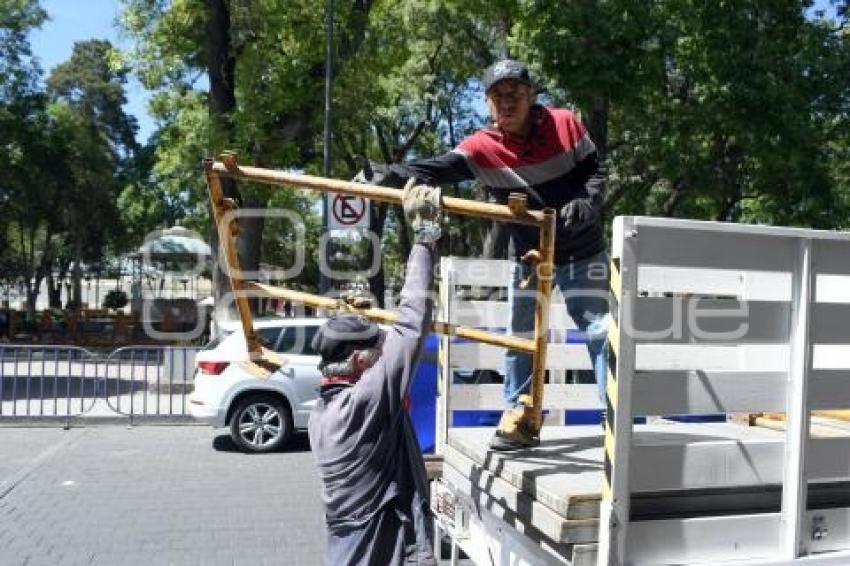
584	284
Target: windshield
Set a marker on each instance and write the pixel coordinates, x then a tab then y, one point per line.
294	340
218	339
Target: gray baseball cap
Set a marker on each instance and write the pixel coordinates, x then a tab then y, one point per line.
506	69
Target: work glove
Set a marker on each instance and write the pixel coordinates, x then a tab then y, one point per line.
576	214
422	208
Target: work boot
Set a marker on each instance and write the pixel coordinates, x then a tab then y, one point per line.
516	428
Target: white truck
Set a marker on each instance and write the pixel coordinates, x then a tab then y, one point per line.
707	318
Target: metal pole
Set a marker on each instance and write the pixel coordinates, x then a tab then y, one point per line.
329	61
324	279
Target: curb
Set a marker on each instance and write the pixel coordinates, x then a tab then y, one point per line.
82	422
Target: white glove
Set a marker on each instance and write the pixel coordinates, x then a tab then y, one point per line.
422	208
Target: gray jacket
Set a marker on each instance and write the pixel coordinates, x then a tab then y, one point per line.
375	488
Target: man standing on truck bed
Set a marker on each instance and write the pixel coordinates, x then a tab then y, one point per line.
375	489
547	154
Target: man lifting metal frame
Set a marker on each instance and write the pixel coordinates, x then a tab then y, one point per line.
264	361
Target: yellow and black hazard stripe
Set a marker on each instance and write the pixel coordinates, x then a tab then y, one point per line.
611	380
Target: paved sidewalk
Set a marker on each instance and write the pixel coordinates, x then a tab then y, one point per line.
154	495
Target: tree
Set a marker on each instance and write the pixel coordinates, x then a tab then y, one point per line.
70	146
166	186
88	91
38	223
264	62
21	106
408	94
115	299
93	80
731	111
704	110
18	73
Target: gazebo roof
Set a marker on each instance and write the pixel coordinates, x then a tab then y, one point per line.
174	243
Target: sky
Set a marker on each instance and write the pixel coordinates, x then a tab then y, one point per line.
78	20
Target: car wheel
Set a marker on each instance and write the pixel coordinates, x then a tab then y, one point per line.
261	423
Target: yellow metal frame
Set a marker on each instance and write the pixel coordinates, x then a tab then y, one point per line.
265	361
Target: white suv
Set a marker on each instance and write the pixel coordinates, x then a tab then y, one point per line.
262	413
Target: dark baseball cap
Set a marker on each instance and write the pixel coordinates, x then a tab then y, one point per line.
504	70
342	334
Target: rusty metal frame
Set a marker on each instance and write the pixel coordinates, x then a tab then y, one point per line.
265	361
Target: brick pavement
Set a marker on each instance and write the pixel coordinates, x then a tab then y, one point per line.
154	495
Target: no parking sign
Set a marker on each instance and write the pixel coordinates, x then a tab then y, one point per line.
347	212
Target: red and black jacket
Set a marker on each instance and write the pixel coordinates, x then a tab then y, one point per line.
557	163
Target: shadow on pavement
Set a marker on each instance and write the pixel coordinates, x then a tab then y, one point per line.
300	442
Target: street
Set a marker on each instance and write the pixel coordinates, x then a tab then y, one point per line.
154	495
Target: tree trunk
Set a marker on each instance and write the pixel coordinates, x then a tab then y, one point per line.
54	284
672	202
35	270
32	297
221	64
78	274
250	242
597	125
54	291
730	211
33	291
29	267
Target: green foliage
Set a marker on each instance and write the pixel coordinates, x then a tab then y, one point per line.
96	138
734	110
168	58
279	56
170	35
65	153
292	233
28	179
713	110
18	73
174	188
410	91
88	213
94	85
115	299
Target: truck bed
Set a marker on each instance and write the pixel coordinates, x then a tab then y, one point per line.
552	492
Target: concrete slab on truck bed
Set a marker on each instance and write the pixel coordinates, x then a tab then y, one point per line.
565	472
520	509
